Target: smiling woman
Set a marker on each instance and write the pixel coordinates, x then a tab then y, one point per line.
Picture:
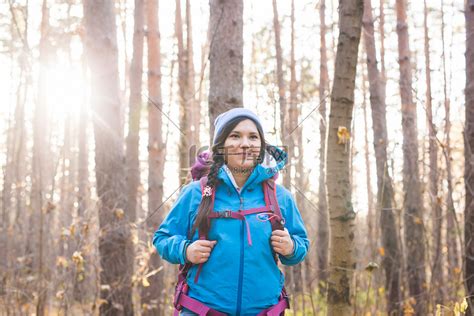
228	230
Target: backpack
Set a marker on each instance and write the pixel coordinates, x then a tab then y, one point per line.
181	299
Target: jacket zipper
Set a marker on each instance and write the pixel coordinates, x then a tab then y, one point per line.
241	268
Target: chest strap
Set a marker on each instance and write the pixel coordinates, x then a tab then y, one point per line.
240	215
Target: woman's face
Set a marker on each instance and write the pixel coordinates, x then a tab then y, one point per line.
242	146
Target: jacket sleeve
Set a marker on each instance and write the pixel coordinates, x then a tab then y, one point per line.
295	225
171	237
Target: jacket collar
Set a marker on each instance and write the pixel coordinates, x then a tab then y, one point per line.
268	168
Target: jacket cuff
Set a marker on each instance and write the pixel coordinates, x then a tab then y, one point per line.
182	257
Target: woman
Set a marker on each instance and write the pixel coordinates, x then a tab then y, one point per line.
232	265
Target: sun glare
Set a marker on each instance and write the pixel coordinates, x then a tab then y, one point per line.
65	88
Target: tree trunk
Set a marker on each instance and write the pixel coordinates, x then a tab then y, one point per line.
40	168
135	102
436	268
82	273
8	173
323	224
153	296
226	57
189	113
134	113
452	225
281	92
391	260
184	109
371	237
342	215
296	161
193	104
468	158
413	206
285	123
115	244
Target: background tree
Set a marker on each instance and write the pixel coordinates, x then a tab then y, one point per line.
323	221
115	244
391	259
437	269
468	154
153	295
341	259
225	57
413	206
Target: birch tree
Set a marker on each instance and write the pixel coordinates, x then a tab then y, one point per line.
342	215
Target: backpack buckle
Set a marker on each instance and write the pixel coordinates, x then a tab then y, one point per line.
225	214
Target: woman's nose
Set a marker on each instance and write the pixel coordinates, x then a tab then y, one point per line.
245	142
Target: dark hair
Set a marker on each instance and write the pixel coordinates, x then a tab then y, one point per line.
218	160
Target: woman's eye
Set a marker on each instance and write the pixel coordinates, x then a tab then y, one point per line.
253	137
234	135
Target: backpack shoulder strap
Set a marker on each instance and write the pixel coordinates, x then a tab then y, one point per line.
269	191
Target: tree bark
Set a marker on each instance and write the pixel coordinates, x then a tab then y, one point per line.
371	237
293	143
135	105
413	206
436	268
115	244
226	57
469	158
153	296
194	108
281	91
452	225
323	224
391	258
82	273
40	165
185	111
135	102
342	215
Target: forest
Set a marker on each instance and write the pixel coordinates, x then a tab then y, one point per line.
105	104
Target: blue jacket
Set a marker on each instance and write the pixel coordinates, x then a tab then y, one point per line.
237	279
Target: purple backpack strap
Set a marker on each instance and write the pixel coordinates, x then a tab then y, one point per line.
269	191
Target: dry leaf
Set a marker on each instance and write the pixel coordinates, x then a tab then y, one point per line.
61	262
343	135
371	266
60	295
417	220
119	213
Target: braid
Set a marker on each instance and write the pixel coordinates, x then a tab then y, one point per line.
204	209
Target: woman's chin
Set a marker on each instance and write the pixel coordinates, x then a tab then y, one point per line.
242	166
